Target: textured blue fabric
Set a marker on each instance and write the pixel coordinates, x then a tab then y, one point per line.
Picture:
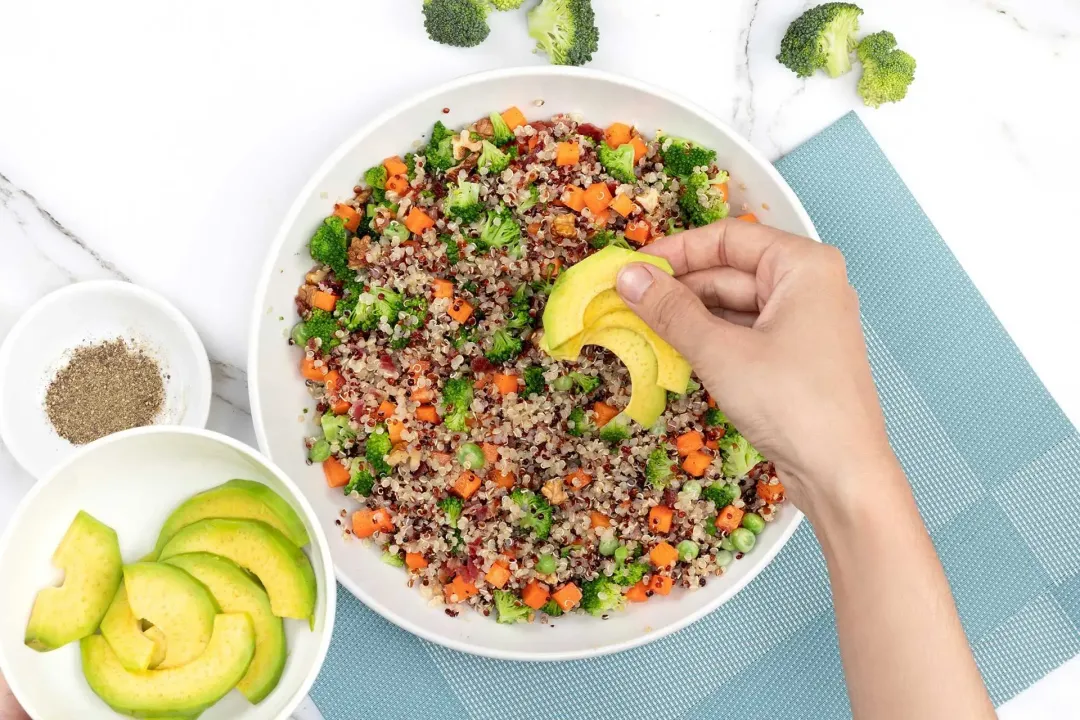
951	383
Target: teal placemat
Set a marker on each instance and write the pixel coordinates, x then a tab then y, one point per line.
994	463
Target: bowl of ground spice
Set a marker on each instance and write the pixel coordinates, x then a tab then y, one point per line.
93	359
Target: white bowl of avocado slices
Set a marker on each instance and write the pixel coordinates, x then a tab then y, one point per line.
164	572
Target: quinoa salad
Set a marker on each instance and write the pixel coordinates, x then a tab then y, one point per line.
492	474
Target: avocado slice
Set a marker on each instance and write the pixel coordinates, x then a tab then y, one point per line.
239	499
236	592
135	649
89	555
647	399
174	692
282	568
177	604
564	316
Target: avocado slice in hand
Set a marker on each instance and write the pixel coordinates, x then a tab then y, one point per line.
177	604
175	692
282	568
135	648
647	399
236	592
89	555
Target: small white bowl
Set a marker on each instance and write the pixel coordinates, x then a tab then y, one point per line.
40	344
131	481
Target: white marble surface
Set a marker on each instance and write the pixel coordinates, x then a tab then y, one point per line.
161	143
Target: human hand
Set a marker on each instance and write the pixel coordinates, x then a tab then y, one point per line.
9	706
771	327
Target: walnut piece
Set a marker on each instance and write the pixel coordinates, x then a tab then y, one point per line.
306	295
554	492
485	129
358	250
564	226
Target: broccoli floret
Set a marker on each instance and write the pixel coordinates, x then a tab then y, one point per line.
465	334
452	506
457	402
584	383
534	381
509	609
507	4
373	307
822	38
701	201
336	428
519	310
537	512
616	430
682	157
715	418
504	347
721	493
887	71
500	230
412	318
740	457
461	23
393	560
627	575
463	201
410	166
320	324
604	238
619	162
565	30
502	132
378	447
551	609
492	158
600	596
376	178
440	148
579	424
330	245
529	199
453	252
658	468
361	481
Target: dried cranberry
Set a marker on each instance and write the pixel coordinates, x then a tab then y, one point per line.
591	131
481	365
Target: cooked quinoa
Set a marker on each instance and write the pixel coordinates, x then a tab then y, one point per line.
475	461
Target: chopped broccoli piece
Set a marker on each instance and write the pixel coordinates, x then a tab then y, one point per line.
393	560
500	230
537	515
603	238
682	157
618	162
616	430
565	30
584	383
658	468
461	23
534	381
463	201
457	403
627	575
465	334
740	457
330	246
721	493
374	306
410	166
600	596
378	447
453	252
412	318
504	347
529	200
509	609
519	310
579	424
822	38
440	148
452	506
887	71
361	481
376	178
336	428
551	609
715	418
492	158
502	132
320	324
701	201
507	4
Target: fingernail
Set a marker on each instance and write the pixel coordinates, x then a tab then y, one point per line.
633	282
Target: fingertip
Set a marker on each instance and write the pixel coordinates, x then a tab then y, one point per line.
633	281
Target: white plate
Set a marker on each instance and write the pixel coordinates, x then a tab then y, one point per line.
131	481
278	395
39	345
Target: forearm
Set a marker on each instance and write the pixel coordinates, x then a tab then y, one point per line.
904	651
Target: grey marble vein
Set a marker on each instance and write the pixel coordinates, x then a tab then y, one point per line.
744	113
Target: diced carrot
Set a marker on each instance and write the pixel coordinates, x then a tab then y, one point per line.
386	409
638	593
688	442
748	217
506	383
770	493
382	520
534	228
417	221
535	595
533	141
567	154
498	575
415	561
309	371
503	478
697	462
622	205
419	367
491	453
460	310
349	215
602	218
723	190
661	584
397	184
422	395
337	475
712	403
551	269
467	483
603	413
638	231
639	148
514	118
713	445
394	428
443	288
729	519
367	522
567	597
340	407
428	414
663	554
599	520
598	197
333	382
574	198
395	166
441	458
617	135
578	479
660	519
460	590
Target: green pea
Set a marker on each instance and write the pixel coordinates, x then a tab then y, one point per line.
753	522
724	558
608	546
546	564
299	334
621	553
726	544
319	451
691	489
743	539
688	550
563	383
470	456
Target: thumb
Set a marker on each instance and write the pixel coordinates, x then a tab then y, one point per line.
676	314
